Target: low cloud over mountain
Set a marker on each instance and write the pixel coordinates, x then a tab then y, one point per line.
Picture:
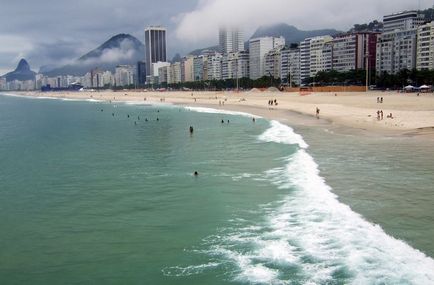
120	49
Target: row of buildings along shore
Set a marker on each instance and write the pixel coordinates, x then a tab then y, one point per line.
405	42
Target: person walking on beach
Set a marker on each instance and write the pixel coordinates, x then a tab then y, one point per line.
317	112
381	113
378	114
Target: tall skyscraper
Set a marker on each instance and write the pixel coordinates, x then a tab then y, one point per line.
230	40
155	46
258	48
141	73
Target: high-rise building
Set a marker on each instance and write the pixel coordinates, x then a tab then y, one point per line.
273	62
230	40
164	74
396	51
315	56
124	76
258	48
175	72
214	62
3	84
155	47
402	21
141	73
425	47
351	51
96	78
154	77
198	68
235	65
320	54
305	59
187	69
290	66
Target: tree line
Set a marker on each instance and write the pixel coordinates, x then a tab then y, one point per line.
324	78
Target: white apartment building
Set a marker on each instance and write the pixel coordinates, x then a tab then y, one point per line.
214	66
198	68
425	47
230	40
258	48
243	64
305	59
320	54
396	51
107	79
164	74
175	73
273	63
235	65
187	69
124	76
3	83
290	66
406	20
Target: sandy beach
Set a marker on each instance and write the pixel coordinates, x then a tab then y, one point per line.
413	115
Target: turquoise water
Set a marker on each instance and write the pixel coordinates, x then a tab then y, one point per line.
92	193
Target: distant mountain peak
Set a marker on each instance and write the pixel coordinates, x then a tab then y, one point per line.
22	72
23	65
112	43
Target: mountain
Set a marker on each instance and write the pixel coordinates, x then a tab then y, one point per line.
22	72
291	33
120	49
201	50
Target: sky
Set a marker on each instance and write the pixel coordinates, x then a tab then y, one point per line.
53	32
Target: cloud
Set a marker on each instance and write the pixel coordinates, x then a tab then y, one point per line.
83	24
125	53
201	24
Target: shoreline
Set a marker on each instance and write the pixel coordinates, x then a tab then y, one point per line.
348	112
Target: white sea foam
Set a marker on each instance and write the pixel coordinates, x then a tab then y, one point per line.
280	133
91	100
310	232
216	111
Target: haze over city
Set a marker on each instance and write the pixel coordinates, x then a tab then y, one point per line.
47	32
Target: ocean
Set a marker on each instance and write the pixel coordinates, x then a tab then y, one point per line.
99	193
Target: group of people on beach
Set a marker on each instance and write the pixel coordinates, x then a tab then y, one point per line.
272	102
379	99
380	115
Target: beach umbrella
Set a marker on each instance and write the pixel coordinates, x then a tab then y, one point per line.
424	87
409	87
